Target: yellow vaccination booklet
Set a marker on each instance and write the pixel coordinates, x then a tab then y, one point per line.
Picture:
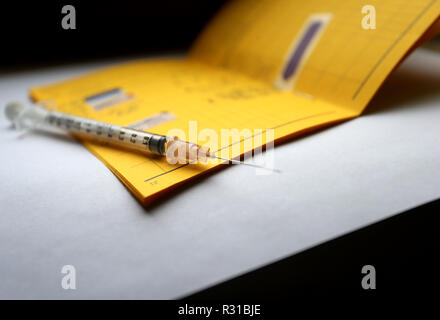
289	66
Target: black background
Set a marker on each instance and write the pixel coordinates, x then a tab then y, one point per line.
31	31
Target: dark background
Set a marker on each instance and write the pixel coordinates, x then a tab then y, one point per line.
31	31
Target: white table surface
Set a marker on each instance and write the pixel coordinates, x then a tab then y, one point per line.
59	205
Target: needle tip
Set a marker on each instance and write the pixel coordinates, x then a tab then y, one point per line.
245	163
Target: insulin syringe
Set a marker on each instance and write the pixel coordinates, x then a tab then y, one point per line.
176	151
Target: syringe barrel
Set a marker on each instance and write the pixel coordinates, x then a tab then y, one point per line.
96	130
175	150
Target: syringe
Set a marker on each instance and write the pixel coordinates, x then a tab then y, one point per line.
176	151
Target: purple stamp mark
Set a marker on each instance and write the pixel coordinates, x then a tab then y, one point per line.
300	50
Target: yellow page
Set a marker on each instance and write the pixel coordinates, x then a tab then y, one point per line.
240	76
345	63
190	91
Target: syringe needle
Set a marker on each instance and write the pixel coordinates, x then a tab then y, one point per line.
245	163
166	146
